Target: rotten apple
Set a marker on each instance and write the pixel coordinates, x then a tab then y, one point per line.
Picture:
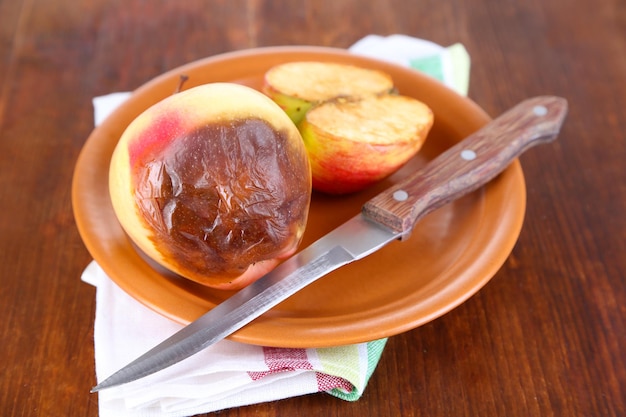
213	183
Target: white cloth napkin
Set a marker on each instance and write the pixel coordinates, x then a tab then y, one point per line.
225	375
230	374
450	65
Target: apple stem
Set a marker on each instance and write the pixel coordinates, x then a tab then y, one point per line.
181	81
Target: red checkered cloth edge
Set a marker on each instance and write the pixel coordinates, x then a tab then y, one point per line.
289	360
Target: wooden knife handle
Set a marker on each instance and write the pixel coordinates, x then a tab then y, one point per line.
469	164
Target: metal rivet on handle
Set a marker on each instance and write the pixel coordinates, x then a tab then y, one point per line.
400	195
540	110
468	154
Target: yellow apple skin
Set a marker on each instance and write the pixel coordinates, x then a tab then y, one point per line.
354	144
213	183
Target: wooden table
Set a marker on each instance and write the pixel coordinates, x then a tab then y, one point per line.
546	337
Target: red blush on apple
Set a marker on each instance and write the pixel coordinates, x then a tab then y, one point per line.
156	137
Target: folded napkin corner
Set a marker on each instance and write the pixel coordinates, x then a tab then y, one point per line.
225	375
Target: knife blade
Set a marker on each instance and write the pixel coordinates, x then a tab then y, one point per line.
388	217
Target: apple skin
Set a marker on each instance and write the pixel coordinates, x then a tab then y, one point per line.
354	144
175	134
296	108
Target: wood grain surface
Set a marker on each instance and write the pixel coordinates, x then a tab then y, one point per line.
546	337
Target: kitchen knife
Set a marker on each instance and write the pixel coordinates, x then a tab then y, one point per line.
389	216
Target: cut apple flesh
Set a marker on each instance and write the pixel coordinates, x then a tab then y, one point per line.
296	86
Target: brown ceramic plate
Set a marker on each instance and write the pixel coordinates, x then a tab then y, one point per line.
452	253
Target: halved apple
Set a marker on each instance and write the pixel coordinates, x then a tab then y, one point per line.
296	86
213	183
354	143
